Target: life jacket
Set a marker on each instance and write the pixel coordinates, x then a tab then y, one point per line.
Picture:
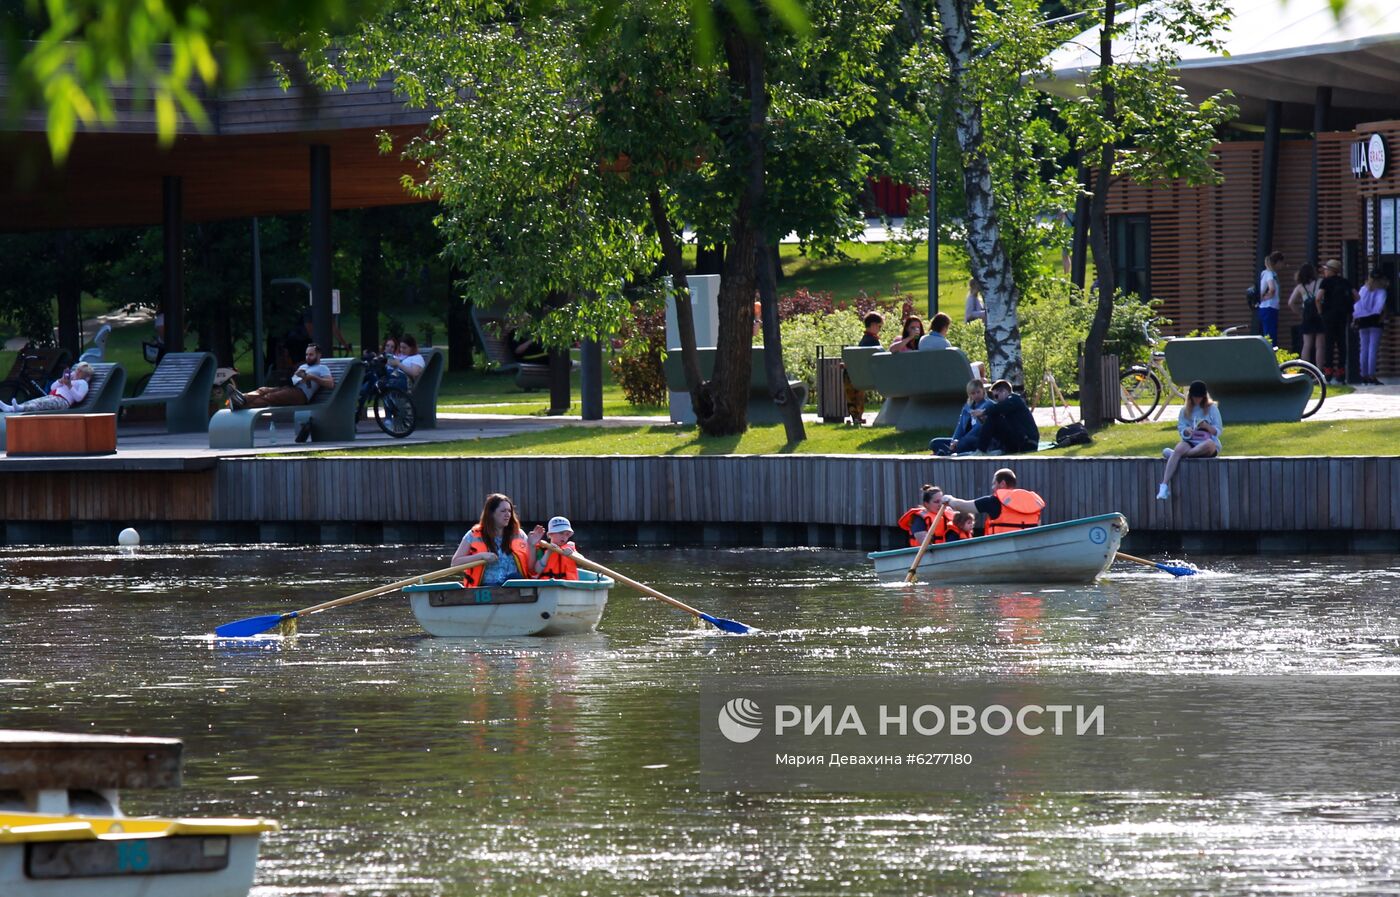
906	523
1020	509
471	578
553	565
953	532
943	528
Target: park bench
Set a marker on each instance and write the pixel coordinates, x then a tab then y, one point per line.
425	391
182	383
761	407
330	411
1242	374
857	362
104	395
924	389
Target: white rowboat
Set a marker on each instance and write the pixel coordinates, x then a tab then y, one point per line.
517	607
1072	551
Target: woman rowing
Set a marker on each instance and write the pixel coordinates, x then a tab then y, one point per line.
928	513
498	533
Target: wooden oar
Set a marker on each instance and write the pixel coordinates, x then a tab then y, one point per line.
719	622
1173	569
256	625
913	573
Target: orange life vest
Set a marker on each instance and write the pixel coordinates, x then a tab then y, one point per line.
943	528
517	546
552	565
955	532
1020	509
906	523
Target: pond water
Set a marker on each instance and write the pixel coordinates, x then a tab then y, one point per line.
404	765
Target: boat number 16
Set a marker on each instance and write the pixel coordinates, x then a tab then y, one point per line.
132	856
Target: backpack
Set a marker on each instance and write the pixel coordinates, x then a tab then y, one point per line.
1072	434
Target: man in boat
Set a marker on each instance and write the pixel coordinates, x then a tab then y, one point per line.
1008	509
929	512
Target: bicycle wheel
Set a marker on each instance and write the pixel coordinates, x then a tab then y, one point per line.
1139	393
1319	392
394	412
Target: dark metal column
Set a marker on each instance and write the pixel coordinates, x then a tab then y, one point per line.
70	294
1322	105
591	379
1268	184
173	230
320	248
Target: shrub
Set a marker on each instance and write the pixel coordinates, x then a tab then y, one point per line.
803	333
636	362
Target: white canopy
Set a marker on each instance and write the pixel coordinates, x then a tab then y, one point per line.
1274	50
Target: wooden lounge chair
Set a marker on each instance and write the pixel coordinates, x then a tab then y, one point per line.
761	407
182	382
1242	374
330	411
924	389
104	395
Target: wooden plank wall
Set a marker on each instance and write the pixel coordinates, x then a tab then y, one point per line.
1236	494
116	495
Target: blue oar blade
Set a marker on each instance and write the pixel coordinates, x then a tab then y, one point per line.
1175	570
733	626
250	626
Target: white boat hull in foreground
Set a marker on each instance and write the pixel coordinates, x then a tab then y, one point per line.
1073	551
518	607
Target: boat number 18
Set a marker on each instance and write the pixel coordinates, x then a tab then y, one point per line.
132	856
483	596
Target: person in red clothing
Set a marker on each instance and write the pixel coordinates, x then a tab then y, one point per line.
551	564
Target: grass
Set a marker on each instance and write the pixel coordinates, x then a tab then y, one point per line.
1311	438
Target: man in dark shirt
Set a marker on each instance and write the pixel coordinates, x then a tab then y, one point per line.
1338	297
1007	426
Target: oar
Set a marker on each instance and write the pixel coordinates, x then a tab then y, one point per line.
913	573
1173	569
255	625
719	622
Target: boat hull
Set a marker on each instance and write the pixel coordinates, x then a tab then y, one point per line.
78	847
541	607
1075	551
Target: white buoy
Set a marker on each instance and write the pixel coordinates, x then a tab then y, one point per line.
128	538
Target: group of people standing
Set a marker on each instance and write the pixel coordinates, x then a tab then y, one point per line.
1328	303
511	553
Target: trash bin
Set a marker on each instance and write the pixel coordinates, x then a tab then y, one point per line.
831	388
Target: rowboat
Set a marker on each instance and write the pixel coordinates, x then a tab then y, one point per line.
516	607
1072	551
63	834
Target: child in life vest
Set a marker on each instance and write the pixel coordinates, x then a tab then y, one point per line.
551	564
959	528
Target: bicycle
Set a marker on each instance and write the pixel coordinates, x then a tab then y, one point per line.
23	386
1140	386
394	411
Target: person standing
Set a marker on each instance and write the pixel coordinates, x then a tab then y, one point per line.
1269	296
855	398
1198	424
974	308
1366	318
1338	298
1304	299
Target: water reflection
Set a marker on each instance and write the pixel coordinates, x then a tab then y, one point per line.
405	765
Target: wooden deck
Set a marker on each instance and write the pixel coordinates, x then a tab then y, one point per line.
852	501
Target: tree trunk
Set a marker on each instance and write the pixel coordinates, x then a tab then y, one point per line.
685	317
460	342
1091	409
990	263
768	268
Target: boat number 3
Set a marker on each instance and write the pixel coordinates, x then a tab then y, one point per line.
1098	535
483	596
132	856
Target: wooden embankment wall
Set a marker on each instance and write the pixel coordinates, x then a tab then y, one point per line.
1268	503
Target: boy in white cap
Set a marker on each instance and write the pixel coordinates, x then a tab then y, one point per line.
551	564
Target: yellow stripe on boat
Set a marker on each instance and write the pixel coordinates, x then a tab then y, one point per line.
19	828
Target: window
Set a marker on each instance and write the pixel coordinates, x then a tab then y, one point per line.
1131	244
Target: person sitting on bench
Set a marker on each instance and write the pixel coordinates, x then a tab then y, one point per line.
310	377
67	391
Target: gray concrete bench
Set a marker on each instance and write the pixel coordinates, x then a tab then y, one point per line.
924	389
1242	374
761	407
857	362
104	395
182	383
425	391
330	411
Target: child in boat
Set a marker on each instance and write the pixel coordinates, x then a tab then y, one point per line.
959	528
549	564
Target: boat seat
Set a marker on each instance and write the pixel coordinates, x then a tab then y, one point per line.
330	411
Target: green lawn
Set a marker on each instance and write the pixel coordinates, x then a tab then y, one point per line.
1312	438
